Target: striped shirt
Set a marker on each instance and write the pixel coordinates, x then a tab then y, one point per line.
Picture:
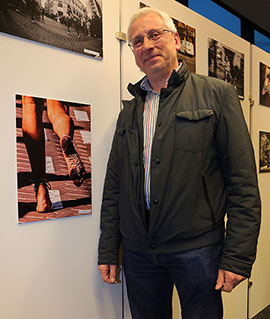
150	114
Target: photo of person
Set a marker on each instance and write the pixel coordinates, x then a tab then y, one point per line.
264	151
53	158
74	25
264	84
227	64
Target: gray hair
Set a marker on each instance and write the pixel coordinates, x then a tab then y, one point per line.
145	11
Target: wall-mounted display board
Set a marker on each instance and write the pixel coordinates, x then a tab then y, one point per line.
53	144
226	64
264	84
264	151
235	303
260	128
49	269
71	25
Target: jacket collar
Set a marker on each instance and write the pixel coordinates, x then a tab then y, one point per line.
175	80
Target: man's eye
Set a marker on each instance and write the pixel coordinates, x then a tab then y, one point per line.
137	42
154	35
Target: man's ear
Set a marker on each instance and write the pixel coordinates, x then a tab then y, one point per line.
177	41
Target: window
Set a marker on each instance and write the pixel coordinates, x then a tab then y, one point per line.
262	41
217	14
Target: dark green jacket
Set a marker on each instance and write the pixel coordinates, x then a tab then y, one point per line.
202	168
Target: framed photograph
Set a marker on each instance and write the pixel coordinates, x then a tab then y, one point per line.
53	159
72	25
187	50
264	151
227	64
264	84
187	36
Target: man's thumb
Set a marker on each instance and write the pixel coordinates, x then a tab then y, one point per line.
220	279
112	273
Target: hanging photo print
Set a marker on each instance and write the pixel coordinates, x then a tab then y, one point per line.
72	25
264	84
264	151
53	159
227	64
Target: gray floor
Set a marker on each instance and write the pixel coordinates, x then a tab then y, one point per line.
265	314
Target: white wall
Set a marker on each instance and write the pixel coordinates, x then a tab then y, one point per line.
260	291
48	269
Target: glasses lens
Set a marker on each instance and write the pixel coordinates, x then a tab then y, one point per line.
154	35
136	42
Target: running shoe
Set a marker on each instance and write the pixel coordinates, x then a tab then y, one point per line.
76	170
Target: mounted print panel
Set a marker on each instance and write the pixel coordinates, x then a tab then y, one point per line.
264	151
264	84
53	159
226	64
72	25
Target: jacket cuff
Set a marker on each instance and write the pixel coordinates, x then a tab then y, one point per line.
235	266
108	259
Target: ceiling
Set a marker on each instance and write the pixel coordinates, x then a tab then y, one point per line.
256	11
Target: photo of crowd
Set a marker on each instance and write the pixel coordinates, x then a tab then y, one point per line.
74	25
227	64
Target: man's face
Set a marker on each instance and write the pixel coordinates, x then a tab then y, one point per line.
159	57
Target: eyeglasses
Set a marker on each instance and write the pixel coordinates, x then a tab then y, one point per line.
153	35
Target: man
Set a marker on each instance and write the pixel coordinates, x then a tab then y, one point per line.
181	158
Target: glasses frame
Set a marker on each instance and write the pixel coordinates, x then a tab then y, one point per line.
149	36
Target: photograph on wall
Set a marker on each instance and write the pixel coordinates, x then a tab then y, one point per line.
227	64
264	151
264	84
187	36
53	142
72	25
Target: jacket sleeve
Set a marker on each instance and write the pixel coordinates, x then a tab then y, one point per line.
243	205
110	237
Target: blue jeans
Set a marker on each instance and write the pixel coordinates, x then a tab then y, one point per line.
150	279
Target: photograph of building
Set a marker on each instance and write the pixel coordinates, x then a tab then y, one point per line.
74	25
226	64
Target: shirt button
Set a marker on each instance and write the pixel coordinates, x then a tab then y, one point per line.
155	201
157	161
153	246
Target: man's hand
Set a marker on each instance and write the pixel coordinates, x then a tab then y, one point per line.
108	273
227	280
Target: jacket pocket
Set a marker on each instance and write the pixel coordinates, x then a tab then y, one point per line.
194	130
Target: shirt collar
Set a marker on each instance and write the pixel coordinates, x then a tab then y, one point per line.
146	86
